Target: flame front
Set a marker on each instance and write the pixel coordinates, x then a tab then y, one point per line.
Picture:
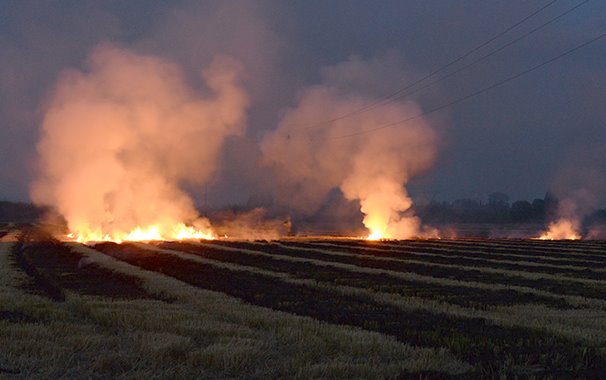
375	235
121	139
179	231
563	229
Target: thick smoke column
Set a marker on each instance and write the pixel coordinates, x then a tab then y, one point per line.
120	139
371	168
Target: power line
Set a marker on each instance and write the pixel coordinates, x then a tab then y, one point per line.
476	93
473	63
389	97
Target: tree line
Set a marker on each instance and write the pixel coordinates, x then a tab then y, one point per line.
497	209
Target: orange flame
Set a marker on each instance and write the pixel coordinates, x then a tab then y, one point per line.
153	232
563	229
375	235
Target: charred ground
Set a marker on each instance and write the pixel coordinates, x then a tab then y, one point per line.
518	308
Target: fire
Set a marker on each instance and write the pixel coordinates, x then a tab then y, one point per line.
563	229
377	225
375	235
124	140
153	232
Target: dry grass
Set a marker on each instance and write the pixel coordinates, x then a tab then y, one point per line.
507	272
576	301
577	250
10	278
205	334
202	334
468	256
587	325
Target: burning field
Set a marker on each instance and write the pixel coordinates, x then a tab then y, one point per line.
127	142
301	308
214	201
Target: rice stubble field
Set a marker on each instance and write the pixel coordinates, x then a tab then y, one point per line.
301	308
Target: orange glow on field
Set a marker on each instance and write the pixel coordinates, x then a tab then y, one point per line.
563	229
155	232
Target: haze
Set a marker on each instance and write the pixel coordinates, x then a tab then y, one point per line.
523	138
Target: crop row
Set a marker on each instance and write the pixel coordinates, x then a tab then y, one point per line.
560	248
198	334
451	275
537	318
475	340
465	252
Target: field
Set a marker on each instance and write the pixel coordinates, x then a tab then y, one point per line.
301	308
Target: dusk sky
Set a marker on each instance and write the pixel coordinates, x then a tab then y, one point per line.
544	130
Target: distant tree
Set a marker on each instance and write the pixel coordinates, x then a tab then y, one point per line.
467	210
19	212
436	211
497	210
552	204
538	209
521	211
498	200
466	204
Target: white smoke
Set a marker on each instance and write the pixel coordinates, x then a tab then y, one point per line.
121	138
579	185
371	168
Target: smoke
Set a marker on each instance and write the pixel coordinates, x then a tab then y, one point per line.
250	225
596	232
312	158
192	33
579	186
37	40
120	139
570	212
563	229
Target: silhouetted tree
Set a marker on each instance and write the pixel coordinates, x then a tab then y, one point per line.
18	212
551	206
496	210
436	212
521	211
498	207
498	200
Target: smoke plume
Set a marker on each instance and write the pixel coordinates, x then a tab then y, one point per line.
254	224
120	139
568	223
312	158
578	185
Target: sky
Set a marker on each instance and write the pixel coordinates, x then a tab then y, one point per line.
523	138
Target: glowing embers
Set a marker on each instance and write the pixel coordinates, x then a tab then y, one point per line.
155	232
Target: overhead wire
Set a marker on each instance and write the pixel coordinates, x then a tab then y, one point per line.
388	98
480	59
478	92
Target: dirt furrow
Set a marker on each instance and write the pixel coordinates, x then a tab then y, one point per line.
474	340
